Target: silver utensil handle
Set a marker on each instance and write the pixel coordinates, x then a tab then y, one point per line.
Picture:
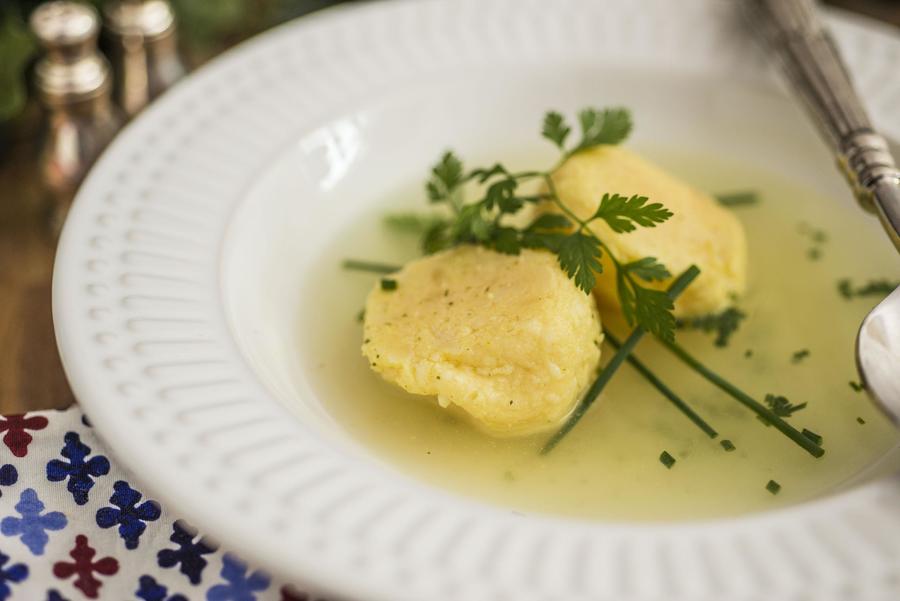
813	66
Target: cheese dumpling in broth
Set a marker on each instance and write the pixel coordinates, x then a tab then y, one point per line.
509	340
700	231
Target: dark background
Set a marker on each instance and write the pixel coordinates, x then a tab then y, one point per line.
30	374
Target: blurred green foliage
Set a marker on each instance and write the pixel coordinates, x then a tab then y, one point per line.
205	28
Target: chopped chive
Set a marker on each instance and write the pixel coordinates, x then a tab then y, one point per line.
654	380
737	199
860	420
773	487
816	438
800	355
728	445
606	374
388	284
666	459
814	254
369	266
748	353
745	399
361	316
856	386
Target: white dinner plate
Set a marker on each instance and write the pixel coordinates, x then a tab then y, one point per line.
180	279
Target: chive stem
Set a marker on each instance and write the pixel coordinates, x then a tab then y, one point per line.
745	399
654	380
369	266
610	369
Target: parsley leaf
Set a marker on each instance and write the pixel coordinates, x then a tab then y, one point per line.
624	214
648	269
446	177
607	126
506	240
501	194
579	256
653	310
555	129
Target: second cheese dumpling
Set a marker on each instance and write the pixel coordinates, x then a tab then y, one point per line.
700	232
508	339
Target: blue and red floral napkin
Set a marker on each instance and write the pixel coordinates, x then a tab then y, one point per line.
74	526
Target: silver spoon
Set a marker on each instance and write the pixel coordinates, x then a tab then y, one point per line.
814	68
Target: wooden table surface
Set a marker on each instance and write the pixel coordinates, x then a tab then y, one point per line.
31	375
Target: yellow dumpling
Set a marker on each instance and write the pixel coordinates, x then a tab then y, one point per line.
700	232
508	339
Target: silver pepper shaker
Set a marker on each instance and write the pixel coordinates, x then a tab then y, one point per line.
143	49
73	83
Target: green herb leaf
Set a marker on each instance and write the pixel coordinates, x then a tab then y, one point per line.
624	214
550	221
555	129
506	241
446	177
800	355
773	487
653	310
878	288
437	238
857	386
724	324
607	126
727	445
579	256
781	406
648	269
501	194
388	285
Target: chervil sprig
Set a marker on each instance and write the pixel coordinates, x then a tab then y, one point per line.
579	250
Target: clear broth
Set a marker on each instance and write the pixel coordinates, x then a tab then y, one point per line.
609	467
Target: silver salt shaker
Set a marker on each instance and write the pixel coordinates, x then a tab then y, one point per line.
143	50
73	83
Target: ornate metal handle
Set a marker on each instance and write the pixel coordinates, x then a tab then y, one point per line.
814	68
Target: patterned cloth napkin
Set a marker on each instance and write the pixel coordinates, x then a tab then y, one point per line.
74	525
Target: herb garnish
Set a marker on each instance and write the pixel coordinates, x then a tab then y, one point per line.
877	288
737	199
861	421
856	386
724	324
727	445
654	380
388	285
781	406
606	374
764	413
800	355
773	487
666	459
577	248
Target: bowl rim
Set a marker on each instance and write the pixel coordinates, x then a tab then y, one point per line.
103	228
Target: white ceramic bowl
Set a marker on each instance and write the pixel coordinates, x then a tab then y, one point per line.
179	291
